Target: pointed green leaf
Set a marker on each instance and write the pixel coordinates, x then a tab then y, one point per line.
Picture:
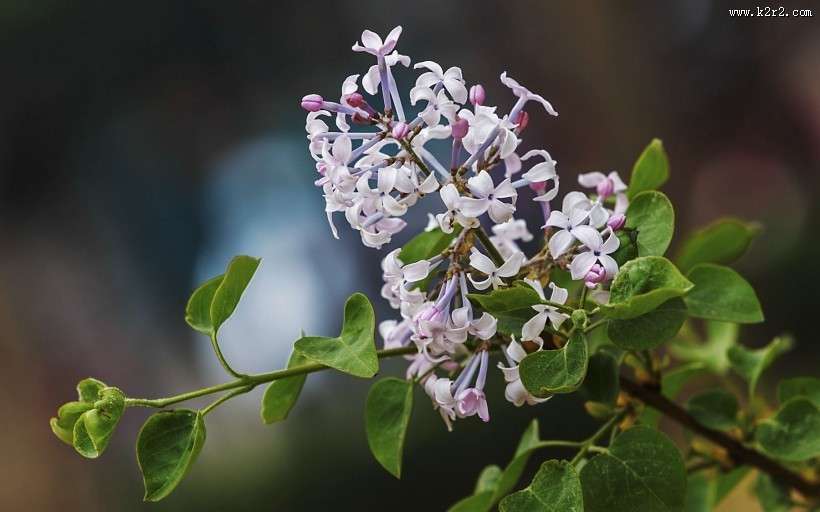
547	372
720	293
652	215
601	383
650	171
89	390
230	290
281	395
699	491
793	434
526	446
721	242
556	487
427	244
805	387
481	502
488	479
642	470
774	496
167	447
387	415
750	363
650	329
198	312
714	408
354	351
94	428
642	285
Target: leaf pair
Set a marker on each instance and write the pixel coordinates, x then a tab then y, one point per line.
89	423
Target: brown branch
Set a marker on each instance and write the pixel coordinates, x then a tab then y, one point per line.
740	453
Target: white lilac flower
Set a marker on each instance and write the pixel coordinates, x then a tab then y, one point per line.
399	274
438	104
439	391
577	211
535	325
452	200
524	95
395	334
597	251
373	44
494	274
505	236
407	182
380	197
451	80
488	198
485	128
604	184
542	172
371	81
515	391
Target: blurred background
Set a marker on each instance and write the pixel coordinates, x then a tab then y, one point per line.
144	144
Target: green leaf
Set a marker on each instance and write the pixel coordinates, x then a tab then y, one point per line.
805	387
548	372
642	285
281	395
526	446
167	447
481	502
94	428
518	296
650	329
714	408
650	171
720	293
750	363
68	414
699	490
774	496
642	470
714	352
652	215
488	479
556	487
722	242
601	383
427	244
198	312
354	351
387	415
230	290
628	247
793	434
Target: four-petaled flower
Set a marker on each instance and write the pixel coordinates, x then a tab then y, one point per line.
494	274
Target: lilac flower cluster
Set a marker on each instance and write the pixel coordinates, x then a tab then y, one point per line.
375	183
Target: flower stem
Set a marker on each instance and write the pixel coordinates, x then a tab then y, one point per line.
253	380
590	442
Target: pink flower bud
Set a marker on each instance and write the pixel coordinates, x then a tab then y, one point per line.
596	275
616	222
605	188
400	129
312	102
477	94
522	120
460	128
355	100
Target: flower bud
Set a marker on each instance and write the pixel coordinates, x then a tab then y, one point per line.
616	222
312	102
596	275
522	120
477	94
400	129
605	188
460	128
355	100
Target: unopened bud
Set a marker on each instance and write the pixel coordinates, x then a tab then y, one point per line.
616	222
605	188
477	94
460	128
312	102
595	276
355	100
522	120
400	129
